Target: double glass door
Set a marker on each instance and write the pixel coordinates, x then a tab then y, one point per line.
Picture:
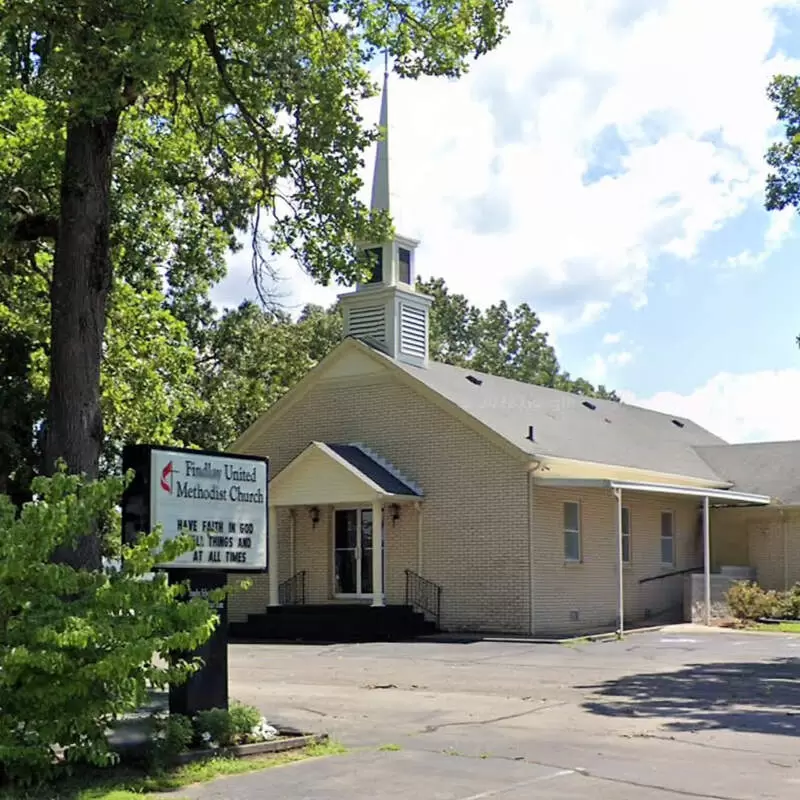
352	557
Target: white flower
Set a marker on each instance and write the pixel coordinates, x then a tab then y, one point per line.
206	736
263	731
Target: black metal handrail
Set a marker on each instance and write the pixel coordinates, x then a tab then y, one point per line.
670	574
424	595
292	592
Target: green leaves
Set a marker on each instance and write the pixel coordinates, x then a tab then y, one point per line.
783	158
76	647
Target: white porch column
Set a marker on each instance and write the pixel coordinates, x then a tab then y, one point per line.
620	573
706	562
273	556
377	554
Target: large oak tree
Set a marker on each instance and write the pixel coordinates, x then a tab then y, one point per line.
256	104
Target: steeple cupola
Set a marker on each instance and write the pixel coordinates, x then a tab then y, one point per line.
385	311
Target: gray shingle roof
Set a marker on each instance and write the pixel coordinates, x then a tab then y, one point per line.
610	433
771	468
372	469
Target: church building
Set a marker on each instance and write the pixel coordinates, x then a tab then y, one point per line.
408	495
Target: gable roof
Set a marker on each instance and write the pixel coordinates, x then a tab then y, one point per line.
605	432
369	467
771	468
334	473
572	426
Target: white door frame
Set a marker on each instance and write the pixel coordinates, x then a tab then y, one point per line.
358	594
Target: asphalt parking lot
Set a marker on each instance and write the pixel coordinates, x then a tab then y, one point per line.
675	713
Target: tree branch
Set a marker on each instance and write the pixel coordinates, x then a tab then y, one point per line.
210	36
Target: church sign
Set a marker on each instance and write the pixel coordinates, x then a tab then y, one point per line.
218	499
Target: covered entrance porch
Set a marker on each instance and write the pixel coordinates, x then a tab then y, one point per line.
345	550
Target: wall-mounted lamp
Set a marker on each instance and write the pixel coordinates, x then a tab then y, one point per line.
394	510
314	514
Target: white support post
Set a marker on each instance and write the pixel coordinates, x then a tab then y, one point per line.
272	547
706	562
620	573
377	554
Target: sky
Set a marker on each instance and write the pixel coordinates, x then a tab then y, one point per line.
606	165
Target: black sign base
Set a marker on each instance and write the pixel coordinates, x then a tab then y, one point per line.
208	687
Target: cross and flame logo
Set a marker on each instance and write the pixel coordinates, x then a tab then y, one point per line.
166	477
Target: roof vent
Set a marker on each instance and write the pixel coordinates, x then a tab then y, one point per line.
531	437
590	406
677	423
473	379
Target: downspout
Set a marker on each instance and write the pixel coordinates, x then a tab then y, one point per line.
418	507
785	531
620	572
292	538
532	468
706	563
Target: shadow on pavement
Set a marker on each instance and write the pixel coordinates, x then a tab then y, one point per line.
760	697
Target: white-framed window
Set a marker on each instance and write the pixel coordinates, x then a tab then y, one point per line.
626	535
667	538
572	531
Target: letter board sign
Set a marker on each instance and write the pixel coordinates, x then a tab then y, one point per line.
219	499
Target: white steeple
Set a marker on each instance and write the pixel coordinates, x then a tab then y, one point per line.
380	175
386	311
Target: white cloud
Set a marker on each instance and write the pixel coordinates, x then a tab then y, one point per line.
749	407
601	367
489	172
613	338
779	230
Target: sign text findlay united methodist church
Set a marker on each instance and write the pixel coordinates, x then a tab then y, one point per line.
220	502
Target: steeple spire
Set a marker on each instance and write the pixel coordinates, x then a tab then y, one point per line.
380	177
385	309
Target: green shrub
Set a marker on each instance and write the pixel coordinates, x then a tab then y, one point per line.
77	647
748	601
788	605
241	724
170	736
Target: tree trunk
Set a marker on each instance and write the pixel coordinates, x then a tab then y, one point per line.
79	294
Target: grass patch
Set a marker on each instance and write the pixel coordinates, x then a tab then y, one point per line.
389	748
133	785
778	627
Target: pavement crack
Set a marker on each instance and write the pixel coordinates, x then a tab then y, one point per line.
490	721
705	745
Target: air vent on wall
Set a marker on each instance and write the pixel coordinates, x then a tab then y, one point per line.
590	406
677	423
473	379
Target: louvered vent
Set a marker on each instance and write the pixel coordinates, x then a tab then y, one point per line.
412	330
368	323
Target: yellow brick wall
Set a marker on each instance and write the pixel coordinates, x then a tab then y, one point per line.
755	537
729	538
590	587
475	529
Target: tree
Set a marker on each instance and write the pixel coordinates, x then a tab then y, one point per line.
252	358
783	158
253	109
265	95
